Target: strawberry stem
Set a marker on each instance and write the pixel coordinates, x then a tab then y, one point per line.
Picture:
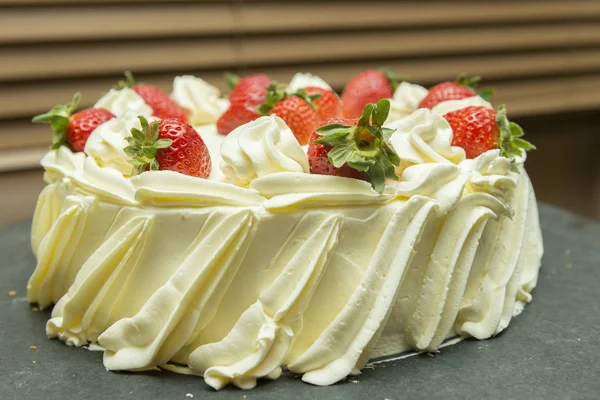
276	93
473	84
129	81
509	137
59	117
365	147
393	79
143	145
231	79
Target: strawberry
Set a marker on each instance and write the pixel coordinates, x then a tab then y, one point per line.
247	94
296	109
476	129
237	114
462	88
318	153
250	89
75	129
367	87
356	148
169	144
328	105
162	105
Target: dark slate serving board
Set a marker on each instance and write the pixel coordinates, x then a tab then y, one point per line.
551	351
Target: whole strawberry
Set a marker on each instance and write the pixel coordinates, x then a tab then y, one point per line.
238	113
162	105
249	89
462	88
73	130
367	87
328	104
247	94
477	129
318	159
168	144
356	148
296	110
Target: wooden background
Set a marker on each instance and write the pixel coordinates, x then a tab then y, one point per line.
543	57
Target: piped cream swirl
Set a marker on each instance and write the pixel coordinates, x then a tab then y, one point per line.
107	142
406	100
201	100
425	137
120	101
304	80
261	147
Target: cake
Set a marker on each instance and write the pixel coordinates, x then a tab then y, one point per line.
262	265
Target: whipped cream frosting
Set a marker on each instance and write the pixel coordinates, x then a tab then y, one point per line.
120	101
261	147
229	281
304	80
425	137
449	106
106	143
405	101
201	100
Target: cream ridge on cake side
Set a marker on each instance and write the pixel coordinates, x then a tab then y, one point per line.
236	256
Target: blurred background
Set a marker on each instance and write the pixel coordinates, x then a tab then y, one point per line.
543	58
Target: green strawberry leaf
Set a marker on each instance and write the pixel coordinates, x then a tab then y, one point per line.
59	117
509	137
364	147
231	79
143	146
473	83
392	78
129	81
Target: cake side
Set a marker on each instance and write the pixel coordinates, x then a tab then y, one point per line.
153	283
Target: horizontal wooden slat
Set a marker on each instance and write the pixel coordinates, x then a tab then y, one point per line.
328	15
523	98
64	60
362	45
26	99
84	23
20	159
76	23
23	62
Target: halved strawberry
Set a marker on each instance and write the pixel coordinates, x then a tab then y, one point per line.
369	86
478	129
356	149
462	88
328	105
162	105
168	144
75	129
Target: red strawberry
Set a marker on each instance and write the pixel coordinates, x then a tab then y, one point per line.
250	89
317	153
462	88
356	148
237	114
248	93
298	115
474	129
75	129
170	144
328	104
478	129
367	87
162	105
